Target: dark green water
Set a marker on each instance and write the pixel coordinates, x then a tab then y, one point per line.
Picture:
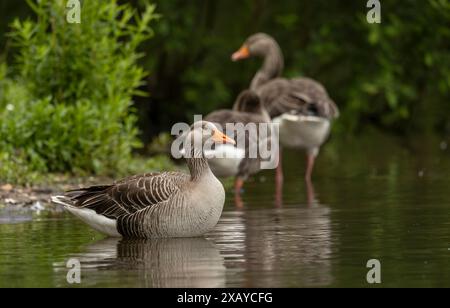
374	198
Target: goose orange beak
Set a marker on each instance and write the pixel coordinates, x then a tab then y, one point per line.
241	54
222	138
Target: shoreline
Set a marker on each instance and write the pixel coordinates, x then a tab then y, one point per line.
38	197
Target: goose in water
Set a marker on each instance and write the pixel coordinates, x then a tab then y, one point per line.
301	106
227	160
157	205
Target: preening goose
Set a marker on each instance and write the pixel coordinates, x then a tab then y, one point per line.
301	106
157	205
227	160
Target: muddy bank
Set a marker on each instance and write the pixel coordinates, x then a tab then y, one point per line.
38	198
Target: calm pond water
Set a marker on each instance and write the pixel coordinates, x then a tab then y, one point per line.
373	198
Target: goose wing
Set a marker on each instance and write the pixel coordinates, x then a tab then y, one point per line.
301	95
225	116
129	195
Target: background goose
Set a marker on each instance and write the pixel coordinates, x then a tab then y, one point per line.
156	204
301	106
247	109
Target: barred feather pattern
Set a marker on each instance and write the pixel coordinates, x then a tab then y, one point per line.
129	195
163	220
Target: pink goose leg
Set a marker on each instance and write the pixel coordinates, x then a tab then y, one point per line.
310	161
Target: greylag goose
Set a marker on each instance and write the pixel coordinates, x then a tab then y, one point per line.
301	106
157	205
227	160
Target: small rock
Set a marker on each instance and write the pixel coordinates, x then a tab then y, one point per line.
10	201
37	206
443	145
6	187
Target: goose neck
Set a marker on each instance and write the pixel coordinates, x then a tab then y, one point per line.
272	67
197	164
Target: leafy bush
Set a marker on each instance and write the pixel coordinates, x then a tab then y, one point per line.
67	105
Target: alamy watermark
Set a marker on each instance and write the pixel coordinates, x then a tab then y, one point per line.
73	15
374	274
254	140
374	14
74	274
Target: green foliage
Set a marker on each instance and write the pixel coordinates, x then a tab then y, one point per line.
67	104
406	82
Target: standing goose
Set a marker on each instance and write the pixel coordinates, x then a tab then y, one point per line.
301	106
227	160
156	204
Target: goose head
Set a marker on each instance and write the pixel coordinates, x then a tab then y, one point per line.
257	45
264	46
203	133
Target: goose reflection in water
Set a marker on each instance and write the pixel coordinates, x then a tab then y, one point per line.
168	263
311	198
281	247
